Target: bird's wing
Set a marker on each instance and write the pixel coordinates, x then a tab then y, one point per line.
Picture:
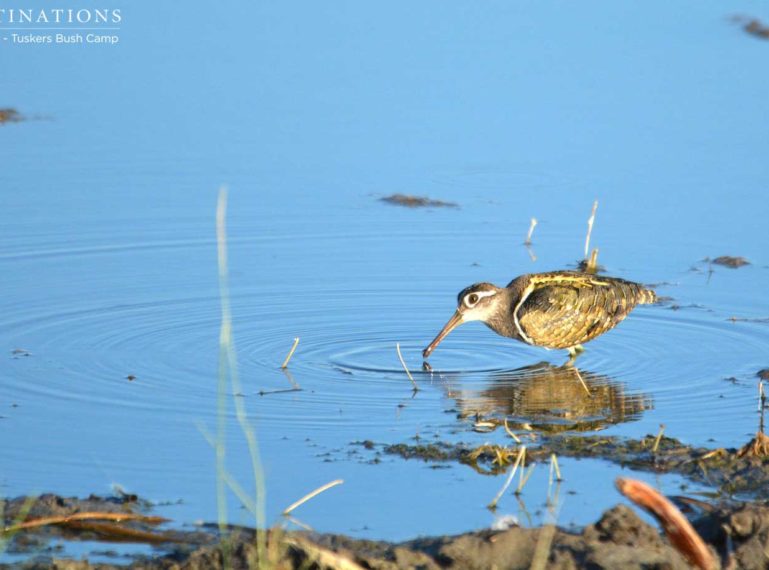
561	311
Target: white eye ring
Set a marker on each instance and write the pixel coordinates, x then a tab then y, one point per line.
472	299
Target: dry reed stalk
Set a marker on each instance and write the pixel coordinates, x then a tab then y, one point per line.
658	438
677	528
495	500
531	231
511	434
312	494
290	354
525	475
403	363
592	263
554	467
590	227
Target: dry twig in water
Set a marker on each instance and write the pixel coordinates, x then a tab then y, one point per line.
312	494
677	528
290	354
511	434
592	263
495	500
403	363
531	231
554	468
590	227
658	438
524	474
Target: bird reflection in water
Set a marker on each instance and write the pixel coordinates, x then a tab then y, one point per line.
549	399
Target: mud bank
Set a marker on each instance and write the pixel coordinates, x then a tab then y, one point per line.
737	535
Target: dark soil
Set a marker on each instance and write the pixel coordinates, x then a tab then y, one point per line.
620	539
417	201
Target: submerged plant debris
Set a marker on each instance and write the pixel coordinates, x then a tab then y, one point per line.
410	201
619	539
757	29
729	471
9	115
730	261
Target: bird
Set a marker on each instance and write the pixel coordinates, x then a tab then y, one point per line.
557	309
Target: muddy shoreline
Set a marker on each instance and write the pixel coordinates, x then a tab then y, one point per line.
737	535
735	531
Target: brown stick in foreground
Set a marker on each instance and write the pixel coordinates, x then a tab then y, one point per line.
116	517
679	531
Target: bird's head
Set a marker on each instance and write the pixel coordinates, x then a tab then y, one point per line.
478	302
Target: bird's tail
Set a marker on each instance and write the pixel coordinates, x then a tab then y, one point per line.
647	297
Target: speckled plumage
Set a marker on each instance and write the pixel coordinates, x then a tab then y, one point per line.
559	309
563	309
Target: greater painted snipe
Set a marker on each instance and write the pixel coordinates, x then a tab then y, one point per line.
560	309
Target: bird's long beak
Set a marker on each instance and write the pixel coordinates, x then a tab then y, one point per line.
453	323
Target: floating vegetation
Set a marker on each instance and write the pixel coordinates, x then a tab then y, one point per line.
518	461
757	29
733	262
728	470
591	265
756	447
410	201
9	115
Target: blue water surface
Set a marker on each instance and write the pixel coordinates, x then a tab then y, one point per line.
310	112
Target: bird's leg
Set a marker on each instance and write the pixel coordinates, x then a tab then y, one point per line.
575	351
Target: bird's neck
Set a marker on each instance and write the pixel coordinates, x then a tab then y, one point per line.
501	320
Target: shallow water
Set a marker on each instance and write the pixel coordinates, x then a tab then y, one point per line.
108	249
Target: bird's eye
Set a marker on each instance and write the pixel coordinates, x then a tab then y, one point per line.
472	299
